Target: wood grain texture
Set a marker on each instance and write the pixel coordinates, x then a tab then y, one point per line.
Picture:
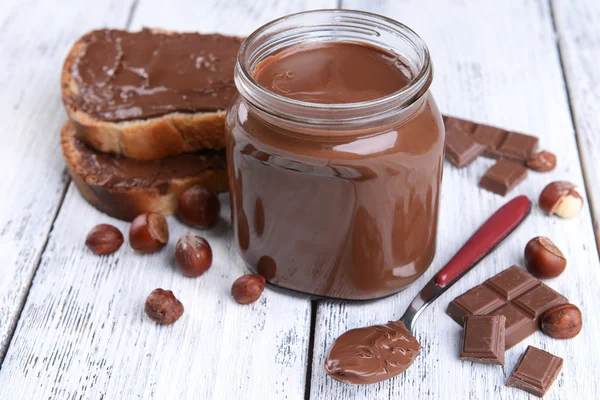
83	332
34	39
579	40
495	62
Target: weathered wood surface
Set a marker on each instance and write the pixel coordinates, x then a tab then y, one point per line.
83	333
497	62
34	39
579	41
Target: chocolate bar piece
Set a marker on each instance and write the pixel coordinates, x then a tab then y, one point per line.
502	177
513	293
535	372
461	147
499	142
483	339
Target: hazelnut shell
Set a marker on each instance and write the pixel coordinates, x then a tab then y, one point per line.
198	207
543	259
149	232
248	288
562	322
562	199
104	239
193	255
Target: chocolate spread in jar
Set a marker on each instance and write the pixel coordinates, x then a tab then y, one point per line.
124	75
372	354
347	213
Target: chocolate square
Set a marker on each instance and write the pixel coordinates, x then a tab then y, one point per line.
483	339
502	177
453	123
518	325
480	300
535	372
461	148
517	147
489	136
512	282
539	300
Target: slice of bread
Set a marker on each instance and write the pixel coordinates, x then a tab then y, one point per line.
150	94
124	188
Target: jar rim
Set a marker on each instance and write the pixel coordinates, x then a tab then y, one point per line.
337	113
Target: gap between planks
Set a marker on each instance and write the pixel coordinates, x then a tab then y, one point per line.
586	178
21	305
38	261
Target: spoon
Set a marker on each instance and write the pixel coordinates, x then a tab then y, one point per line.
379	352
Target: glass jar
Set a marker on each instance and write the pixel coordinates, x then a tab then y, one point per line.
335	200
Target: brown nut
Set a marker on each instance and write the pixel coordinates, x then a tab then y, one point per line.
198	207
248	288
544	161
149	232
562	322
543	258
193	255
562	199
104	239
163	307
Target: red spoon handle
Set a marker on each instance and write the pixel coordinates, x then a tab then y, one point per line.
491	233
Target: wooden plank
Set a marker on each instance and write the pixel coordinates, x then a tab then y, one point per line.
34	39
496	62
579	41
83	332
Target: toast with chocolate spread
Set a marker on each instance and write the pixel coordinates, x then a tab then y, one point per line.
124	188
150	94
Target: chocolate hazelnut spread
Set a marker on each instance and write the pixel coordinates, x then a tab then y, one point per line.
134	75
344	208
112	171
372	354
333	73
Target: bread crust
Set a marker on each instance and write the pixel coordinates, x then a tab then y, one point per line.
142	139
128	202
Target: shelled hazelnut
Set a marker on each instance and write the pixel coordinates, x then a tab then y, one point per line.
163	307
544	161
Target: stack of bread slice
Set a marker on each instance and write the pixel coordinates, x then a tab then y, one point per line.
146	117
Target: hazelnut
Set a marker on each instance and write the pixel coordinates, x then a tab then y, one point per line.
562	199
104	239
544	161
562	322
163	307
193	255
149	232
198	207
248	288
543	258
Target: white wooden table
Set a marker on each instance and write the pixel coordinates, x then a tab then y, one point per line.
72	324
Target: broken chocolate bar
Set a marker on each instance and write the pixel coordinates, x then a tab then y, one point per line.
502	177
498	142
513	293
535	372
483	339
